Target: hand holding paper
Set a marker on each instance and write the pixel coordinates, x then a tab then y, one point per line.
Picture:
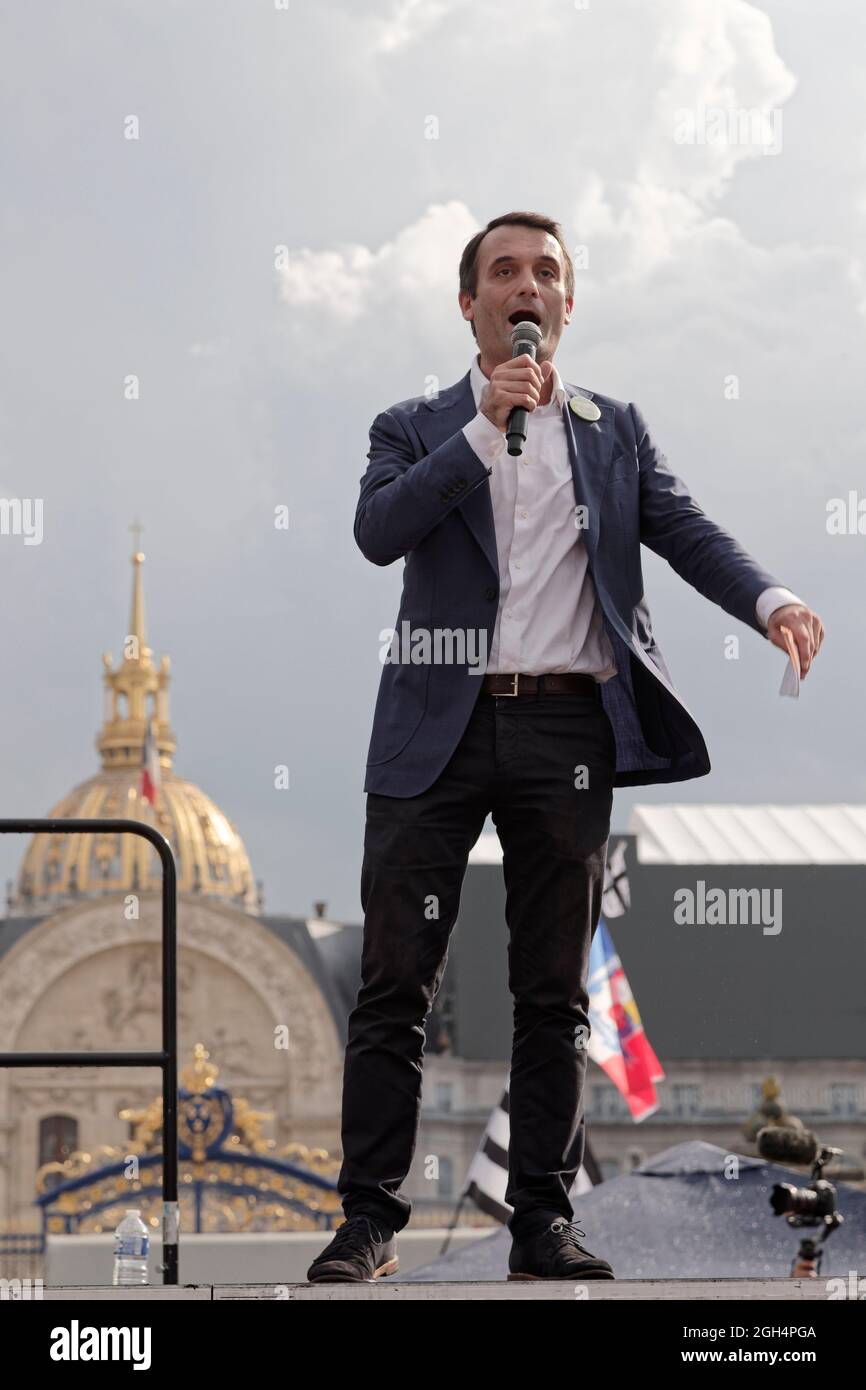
799	632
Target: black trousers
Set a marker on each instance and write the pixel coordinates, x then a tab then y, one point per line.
520	759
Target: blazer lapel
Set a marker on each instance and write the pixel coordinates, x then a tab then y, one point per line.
590	447
443	416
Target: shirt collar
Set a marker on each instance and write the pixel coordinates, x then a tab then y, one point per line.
479	381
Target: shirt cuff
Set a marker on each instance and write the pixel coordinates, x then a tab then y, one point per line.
770	600
487	441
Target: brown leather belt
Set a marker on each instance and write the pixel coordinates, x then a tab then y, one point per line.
552	683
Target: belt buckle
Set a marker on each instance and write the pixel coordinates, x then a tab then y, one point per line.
506	694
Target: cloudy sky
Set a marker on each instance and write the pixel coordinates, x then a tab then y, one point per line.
274	256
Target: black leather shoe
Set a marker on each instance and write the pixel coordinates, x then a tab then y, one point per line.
359	1253
555	1253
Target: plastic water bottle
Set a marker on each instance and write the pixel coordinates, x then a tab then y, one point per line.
131	1244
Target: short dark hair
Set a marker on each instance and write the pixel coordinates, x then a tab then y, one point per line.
469	259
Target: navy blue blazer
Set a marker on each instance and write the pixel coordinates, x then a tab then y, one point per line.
425	499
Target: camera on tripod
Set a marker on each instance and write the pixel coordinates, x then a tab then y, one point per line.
802	1206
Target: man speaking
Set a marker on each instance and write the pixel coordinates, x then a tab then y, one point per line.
531	557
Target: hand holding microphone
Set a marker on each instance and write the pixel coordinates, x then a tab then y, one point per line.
515	387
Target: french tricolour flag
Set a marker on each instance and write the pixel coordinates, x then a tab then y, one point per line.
618	1043
150	779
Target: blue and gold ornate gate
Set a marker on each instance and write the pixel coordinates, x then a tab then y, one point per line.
230	1178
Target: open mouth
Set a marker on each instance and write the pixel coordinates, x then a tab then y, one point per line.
522	315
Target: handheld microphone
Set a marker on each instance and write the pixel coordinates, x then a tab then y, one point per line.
525	337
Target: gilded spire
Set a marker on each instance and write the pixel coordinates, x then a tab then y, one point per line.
136	616
136	691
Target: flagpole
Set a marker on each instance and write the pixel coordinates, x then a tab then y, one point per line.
454	1220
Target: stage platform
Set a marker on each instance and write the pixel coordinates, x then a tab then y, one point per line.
593	1290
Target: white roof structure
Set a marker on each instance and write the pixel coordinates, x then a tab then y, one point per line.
691	833
726	834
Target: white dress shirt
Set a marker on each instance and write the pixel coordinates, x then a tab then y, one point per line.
542	556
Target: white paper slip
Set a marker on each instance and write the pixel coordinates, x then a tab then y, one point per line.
791	679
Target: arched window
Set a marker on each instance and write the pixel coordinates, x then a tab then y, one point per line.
58	1138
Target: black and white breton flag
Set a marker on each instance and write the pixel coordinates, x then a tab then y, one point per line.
616	898
487	1179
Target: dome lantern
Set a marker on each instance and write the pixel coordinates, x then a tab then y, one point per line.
135	691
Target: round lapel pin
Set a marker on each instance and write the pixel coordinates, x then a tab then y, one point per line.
587	410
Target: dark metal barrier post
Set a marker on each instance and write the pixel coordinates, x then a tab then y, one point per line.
167	1058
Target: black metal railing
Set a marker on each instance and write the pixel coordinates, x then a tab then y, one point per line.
165	1059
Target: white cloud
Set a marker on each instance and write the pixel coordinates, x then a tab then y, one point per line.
409	21
634	185
337	281
414	268
711	58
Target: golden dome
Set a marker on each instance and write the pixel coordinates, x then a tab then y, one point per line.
209	853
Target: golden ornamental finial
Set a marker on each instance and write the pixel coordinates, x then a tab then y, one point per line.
201	1074
138	648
